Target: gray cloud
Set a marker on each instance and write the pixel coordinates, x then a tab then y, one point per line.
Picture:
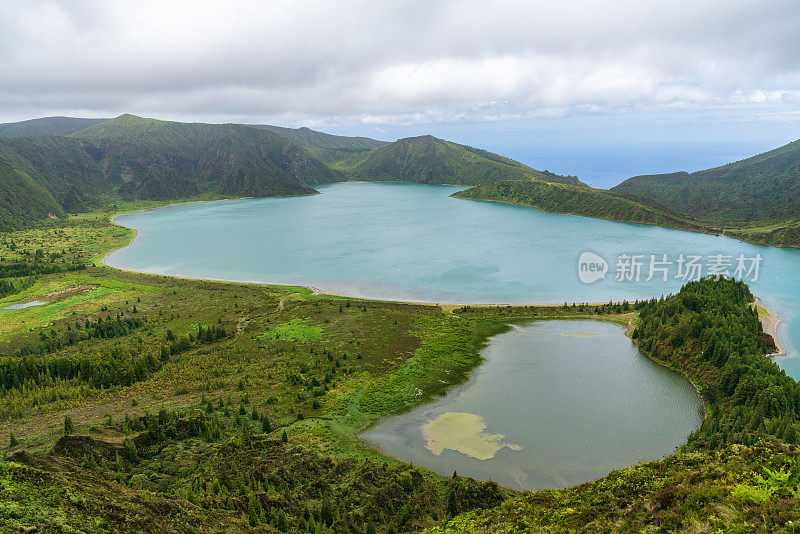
319	62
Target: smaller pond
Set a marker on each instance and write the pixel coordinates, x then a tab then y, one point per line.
556	403
25	305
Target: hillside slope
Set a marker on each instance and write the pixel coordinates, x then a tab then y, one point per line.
156	159
22	200
46	126
313	139
63	167
580	200
765	187
429	160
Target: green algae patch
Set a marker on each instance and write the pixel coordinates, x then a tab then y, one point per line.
580	334
464	433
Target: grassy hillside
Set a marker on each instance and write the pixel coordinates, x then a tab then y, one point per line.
762	188
46	126
580	200
314	139
22	200
230	406
134	158
64	167
149	158
429	160
329	149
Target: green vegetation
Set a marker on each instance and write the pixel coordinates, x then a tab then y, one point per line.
22	200
63	167
580	200
294	330
320	140
130	158
60	165
762	187
155	159
756	199
734	489
711	332
47	126
429	160
329	149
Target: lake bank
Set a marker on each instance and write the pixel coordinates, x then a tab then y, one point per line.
770	322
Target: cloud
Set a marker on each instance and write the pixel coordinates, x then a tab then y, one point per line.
393	62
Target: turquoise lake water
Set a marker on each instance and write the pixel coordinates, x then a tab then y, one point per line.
414	242
576	400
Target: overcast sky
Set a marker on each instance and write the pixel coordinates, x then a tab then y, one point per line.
397	66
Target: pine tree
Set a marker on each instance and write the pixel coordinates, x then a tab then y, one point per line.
133	453
254	511
281	521
69	428
790	436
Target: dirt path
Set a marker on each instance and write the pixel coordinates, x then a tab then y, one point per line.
280	302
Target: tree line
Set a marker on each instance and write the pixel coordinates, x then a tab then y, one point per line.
710	331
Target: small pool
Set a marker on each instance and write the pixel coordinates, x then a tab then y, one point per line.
556	403
26	305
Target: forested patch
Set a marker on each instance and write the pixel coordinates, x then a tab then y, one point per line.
710	331
117	366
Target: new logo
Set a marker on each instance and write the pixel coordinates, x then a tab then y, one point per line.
591	267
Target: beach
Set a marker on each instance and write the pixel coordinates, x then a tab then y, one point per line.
770	322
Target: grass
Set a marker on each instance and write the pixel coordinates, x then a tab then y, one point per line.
294	330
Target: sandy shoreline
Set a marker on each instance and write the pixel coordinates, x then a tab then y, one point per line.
770	323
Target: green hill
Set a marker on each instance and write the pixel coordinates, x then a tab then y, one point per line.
580	200
22	200
148	158
313	139
46	126
429	160
64	168
765	187
134	158
756	199
329	149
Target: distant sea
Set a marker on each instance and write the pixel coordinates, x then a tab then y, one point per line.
605	165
